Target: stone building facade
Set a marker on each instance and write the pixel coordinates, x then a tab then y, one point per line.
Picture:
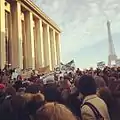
28	37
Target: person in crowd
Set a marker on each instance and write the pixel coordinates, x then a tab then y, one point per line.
34	88
13	108
33	104
66	83
74	103
10	91
54	111
100	83
112	104
2	93
17	85
51	93
93	108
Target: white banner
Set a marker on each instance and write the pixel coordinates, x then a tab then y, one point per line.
101	65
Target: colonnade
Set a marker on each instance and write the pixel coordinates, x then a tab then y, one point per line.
34	43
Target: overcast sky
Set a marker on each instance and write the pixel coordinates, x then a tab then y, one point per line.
83	24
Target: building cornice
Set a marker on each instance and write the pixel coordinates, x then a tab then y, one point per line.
41	13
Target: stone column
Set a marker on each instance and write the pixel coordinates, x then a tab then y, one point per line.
2	34
29	41
39	52
54	43
53	48
47	51
17	54
58	47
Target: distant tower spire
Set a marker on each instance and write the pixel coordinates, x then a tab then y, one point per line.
112	55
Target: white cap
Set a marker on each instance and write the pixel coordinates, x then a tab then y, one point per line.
48	80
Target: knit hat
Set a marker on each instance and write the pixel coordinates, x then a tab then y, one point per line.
87	85
2	86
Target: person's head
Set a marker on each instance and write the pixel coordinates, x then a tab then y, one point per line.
51	93
77	70
100	83
2	88
65	94
54	111
106	95
38	97
49	80
34	88
17	85
28	97
18	102
35	103
10	91
87	85
19	77
66	78
2	93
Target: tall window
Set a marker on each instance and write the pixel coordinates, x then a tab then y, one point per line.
7	36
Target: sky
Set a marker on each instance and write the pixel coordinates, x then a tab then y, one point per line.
84	35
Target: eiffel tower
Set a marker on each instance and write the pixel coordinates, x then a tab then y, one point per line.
112	57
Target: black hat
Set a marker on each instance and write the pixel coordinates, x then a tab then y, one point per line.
87	85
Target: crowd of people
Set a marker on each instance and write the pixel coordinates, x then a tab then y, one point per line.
74	95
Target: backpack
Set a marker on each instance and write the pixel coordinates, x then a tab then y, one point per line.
97	114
